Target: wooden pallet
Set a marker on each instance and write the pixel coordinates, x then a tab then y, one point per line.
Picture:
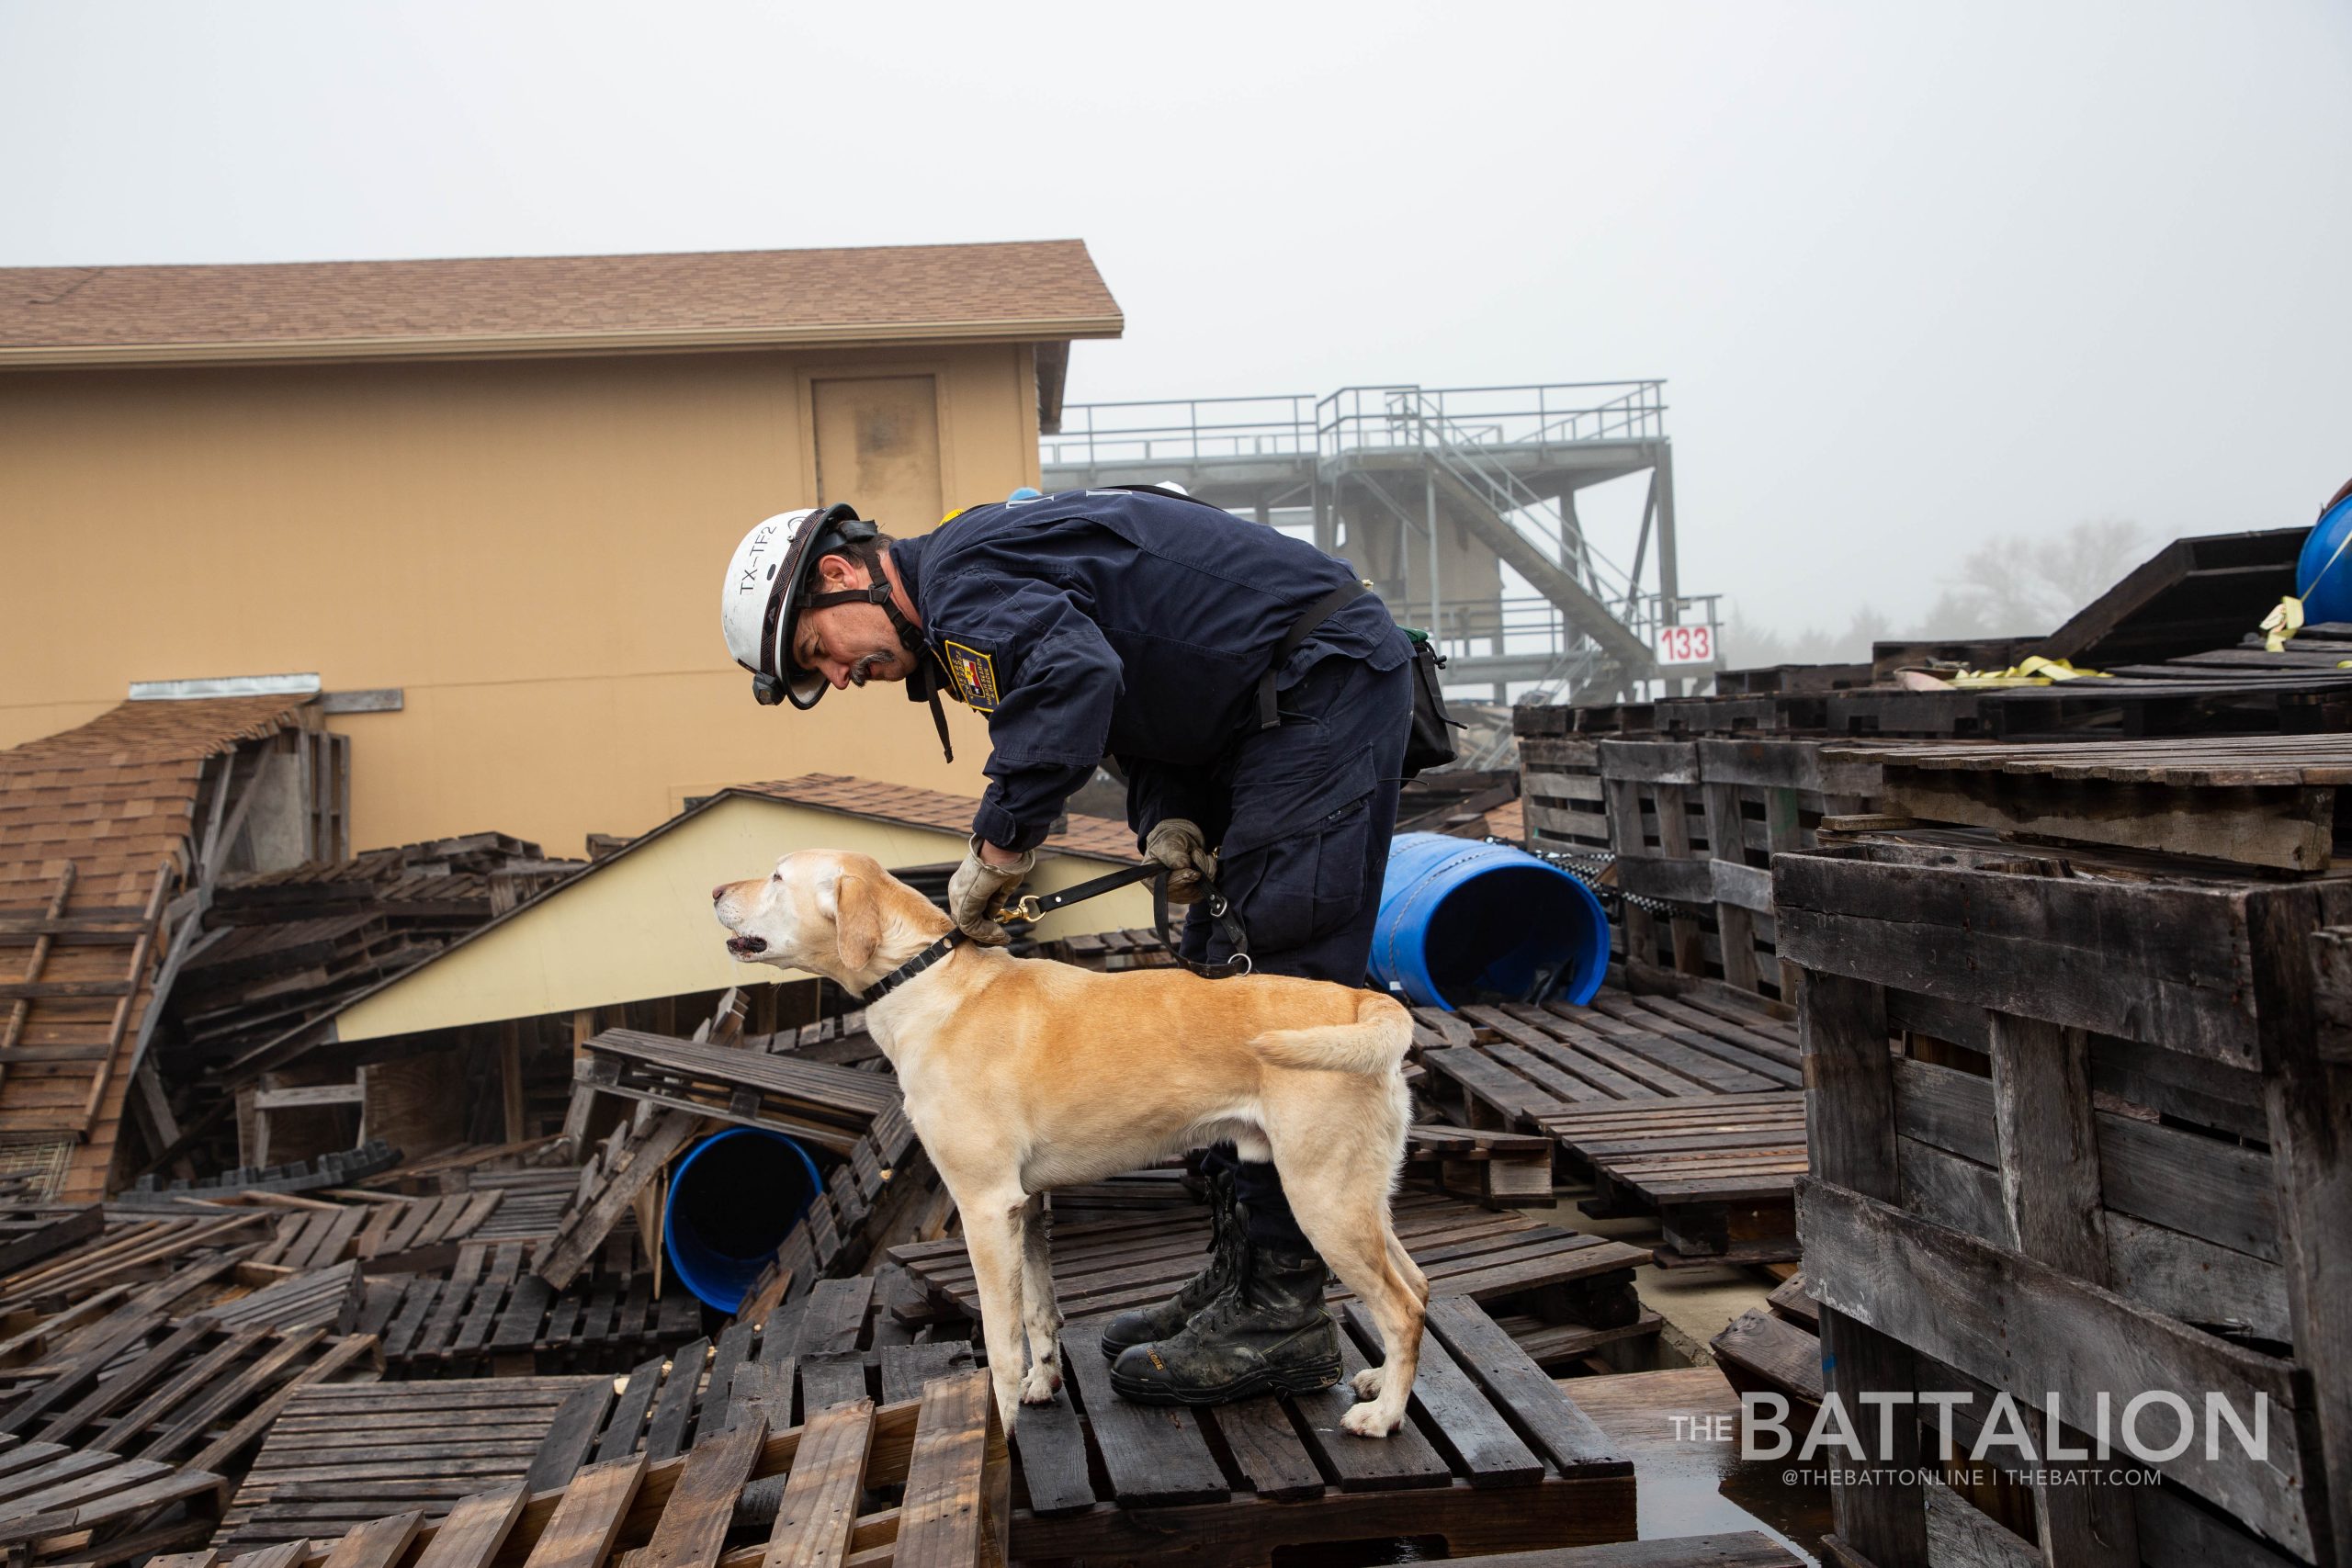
341	1455
2252	800
2127	1151
488	1312
1508	1068
829	1347
1501	1170
801	1494
1719	1171
60	1503
1550	1275
134	1248
317	1233
1493	1454
30	1234
194	1391
827	1105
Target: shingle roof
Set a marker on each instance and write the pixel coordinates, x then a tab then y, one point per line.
115	794
104	812
936	808
1018	291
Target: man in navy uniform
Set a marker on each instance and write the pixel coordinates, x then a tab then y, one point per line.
1258	702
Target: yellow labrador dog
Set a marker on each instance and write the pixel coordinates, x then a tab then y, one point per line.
1023	1074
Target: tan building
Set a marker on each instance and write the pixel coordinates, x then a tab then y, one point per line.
487	502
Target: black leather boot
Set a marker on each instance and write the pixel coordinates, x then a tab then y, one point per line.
1148	1324
1269	1333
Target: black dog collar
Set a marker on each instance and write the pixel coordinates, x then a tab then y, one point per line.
911	967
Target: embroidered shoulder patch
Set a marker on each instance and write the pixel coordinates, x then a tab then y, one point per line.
975	675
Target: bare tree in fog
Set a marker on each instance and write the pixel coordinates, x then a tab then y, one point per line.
2016	585
2027	584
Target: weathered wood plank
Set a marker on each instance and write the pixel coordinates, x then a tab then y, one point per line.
2049	1190
589	1515
2031	1331
819	1512
1153	1455
956	1513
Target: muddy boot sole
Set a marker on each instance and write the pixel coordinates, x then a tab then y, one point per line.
1311	1377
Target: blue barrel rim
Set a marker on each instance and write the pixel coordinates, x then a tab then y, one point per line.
702	1290
1399	958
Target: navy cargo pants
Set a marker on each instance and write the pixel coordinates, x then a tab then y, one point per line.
1307	813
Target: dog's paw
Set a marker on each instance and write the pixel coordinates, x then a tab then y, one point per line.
1366	1421
1367	1383
1039	1386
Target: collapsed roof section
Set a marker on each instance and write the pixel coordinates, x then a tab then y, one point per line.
112	836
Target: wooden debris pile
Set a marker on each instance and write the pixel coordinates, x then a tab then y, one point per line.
283	947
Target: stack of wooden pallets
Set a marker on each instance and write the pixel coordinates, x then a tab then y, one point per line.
2110	1165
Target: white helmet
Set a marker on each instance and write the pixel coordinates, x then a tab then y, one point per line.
766	580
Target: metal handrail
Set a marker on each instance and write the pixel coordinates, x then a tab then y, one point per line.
1534	413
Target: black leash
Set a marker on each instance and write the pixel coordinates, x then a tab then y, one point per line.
910	968
1030	906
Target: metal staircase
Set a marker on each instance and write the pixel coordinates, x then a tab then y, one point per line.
1395	469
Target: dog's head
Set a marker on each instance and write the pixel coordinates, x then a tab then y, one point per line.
822	910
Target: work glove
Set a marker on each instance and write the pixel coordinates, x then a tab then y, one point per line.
976	888
1182	847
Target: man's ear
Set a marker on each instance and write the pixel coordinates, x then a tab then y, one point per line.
838	572
857	921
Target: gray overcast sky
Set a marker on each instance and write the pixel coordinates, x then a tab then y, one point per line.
1914	274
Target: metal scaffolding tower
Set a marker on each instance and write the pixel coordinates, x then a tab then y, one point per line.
1429	493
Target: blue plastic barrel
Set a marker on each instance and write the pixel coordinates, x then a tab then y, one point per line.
732	1201
1462	921
2323	571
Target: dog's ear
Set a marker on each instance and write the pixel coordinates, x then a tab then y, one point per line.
857	920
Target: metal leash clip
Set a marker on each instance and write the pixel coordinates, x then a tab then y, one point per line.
1024	908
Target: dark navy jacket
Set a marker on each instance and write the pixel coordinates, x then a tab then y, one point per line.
1119	624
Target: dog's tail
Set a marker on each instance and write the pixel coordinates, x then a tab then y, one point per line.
1374	1044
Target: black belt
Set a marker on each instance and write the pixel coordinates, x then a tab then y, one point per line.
1030	906
1314	615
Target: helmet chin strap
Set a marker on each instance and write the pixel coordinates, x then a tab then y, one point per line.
921	685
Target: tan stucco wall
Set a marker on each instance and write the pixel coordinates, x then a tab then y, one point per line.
530	549
639	926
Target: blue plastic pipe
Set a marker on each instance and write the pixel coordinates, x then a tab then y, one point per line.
1462	921
732	1201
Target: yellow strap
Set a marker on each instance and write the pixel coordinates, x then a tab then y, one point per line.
2034	671
2283	623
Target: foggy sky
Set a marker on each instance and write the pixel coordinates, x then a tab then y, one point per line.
1914	275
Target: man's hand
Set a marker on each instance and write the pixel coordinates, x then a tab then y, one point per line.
974	888
1184	849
